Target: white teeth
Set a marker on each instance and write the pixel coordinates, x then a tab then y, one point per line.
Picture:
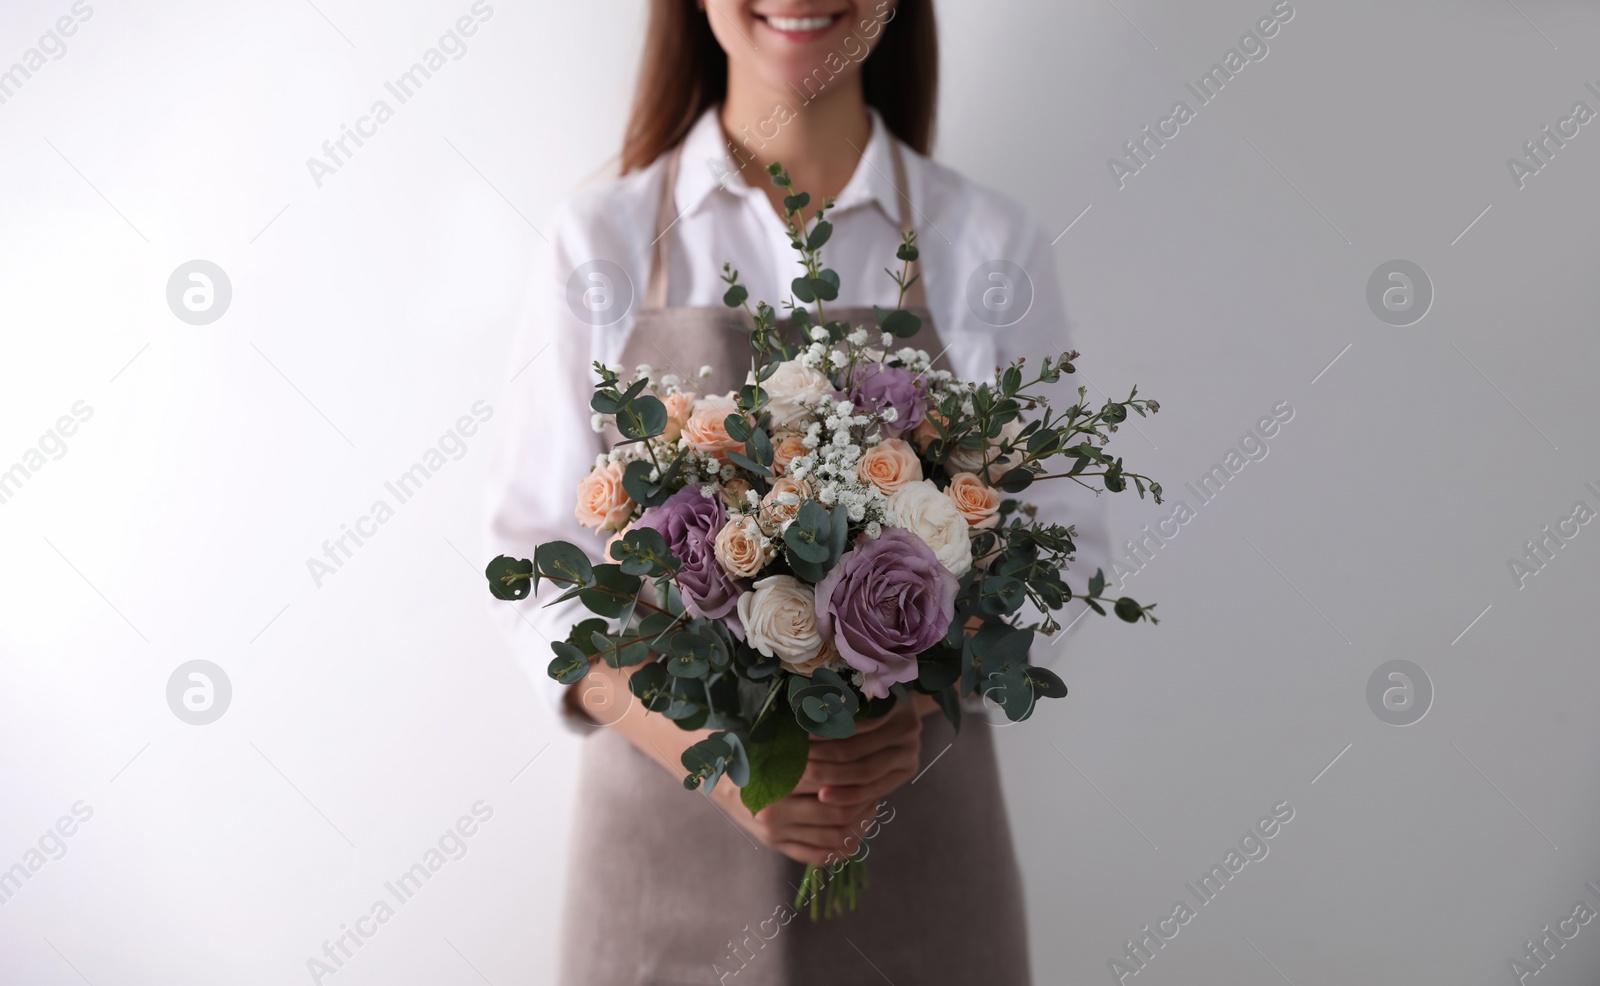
799	23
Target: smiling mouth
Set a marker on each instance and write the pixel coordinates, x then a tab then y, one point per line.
799	26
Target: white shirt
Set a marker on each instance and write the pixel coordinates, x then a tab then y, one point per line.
548	444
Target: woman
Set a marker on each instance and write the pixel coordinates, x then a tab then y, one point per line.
665	887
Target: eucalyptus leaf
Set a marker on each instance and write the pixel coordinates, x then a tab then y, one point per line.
510	578
569	665
563	563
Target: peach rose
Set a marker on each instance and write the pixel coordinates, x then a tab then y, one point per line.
707	430
971	460
889	465
680	404
741	549
788	449
602	502
925	432
733	492
978	501
782	502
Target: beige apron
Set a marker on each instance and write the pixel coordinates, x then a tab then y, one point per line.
665	889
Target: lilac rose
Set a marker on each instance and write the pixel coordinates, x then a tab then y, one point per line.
885	602
689	523
878	388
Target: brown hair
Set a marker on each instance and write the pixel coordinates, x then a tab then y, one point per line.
684	72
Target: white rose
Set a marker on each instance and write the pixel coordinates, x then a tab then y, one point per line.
926	512
971	460
780	619
791	390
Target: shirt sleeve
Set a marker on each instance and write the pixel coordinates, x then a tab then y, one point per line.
1044	331
546	446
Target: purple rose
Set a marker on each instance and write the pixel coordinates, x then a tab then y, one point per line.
878	388
885	602
689	523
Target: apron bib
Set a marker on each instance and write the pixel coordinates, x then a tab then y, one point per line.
663	888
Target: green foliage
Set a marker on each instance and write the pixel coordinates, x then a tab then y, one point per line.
569	665
509	578
776	763
643	551
610	591
824	704
638	415
718	754
562	563
816	540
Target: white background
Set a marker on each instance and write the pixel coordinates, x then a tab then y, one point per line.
369	314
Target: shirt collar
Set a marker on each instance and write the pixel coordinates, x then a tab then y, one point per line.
708	165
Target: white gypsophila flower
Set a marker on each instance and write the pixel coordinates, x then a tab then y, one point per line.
709	490
858	337
887	341
874	530
597	422
705	371
839	359
752	498
819	334
924	510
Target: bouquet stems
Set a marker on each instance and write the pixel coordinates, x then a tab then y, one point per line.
830	893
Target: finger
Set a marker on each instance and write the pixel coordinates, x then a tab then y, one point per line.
810	811
852	749
859	772
841	795
810	855
861	745
827	838
856	747
895	716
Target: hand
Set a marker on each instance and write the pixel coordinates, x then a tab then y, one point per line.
800	826
831	808
883	754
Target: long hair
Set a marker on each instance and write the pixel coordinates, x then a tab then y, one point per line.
684	72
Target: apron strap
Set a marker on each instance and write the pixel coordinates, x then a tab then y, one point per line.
655	295
916	297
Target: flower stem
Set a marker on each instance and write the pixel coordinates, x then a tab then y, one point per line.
825	897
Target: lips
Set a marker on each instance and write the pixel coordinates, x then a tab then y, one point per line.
805	28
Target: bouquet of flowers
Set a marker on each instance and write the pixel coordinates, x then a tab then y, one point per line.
835	536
